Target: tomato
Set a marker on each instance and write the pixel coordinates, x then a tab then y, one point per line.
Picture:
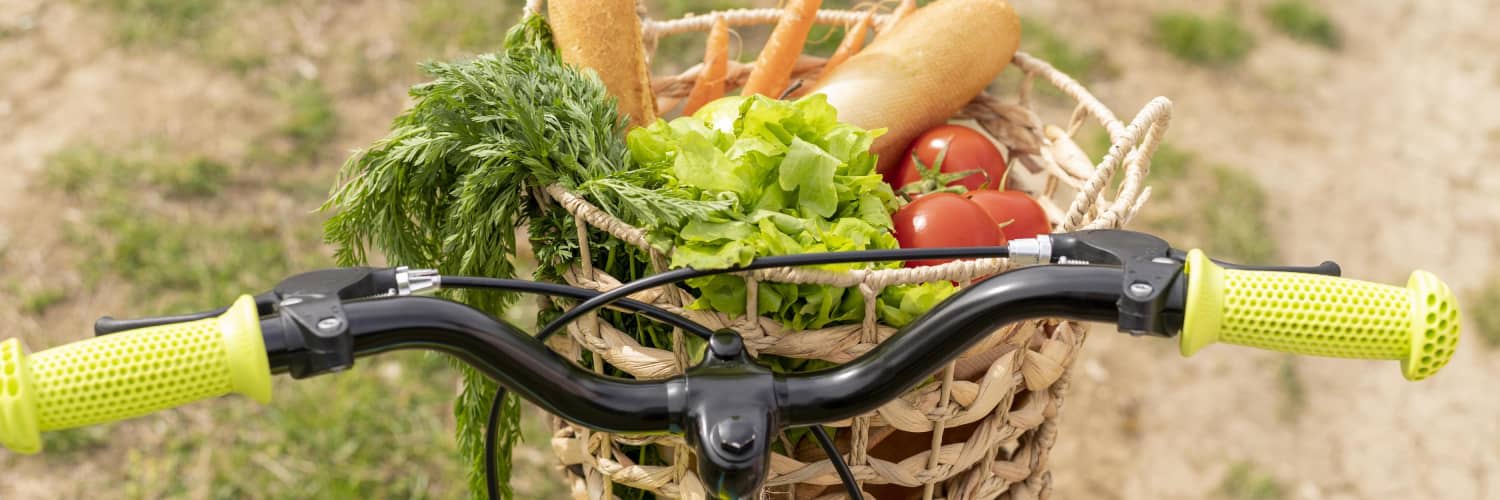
1026	215
968	149
944	220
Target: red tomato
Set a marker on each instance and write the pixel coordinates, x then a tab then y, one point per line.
968	149
1026	215
944	220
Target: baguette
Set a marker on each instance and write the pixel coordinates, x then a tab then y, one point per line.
923	70
605	36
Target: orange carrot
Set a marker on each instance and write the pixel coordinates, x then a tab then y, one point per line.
710	82
773	69
854	39
904	9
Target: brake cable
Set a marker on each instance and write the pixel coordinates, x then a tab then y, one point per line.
846	475
812	259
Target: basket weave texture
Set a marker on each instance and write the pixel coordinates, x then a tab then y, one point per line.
984	427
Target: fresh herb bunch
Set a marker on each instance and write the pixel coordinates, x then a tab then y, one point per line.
460	170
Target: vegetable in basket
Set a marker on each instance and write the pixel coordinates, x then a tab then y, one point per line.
916	75
798	181
961	149
463	168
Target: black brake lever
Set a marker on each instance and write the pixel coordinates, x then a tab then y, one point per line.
106	325
1152	267
347	283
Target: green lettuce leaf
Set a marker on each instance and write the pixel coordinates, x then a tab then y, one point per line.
799	182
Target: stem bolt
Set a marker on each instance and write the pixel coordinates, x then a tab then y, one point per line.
1140	289
329	324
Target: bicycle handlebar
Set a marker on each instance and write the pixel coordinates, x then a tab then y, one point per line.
727	406
1321	315
105	379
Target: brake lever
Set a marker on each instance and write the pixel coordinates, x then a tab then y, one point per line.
347	283
1152	270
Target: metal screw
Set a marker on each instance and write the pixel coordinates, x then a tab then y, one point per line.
1140	289
329	323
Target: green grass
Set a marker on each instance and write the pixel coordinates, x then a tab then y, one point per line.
37	302
214	31
182	262
89	169
447	28
1245	481
1084	65
1303	21
1485	309
1293	390
75	440
1219	40
161	22
380	430
308	123
1196	204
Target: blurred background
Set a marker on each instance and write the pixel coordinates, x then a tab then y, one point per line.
166	155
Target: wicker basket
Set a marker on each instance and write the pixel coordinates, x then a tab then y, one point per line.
985	428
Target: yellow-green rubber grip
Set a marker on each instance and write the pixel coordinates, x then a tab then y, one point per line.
1321	315
129	374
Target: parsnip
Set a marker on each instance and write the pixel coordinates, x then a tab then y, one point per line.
923	70
605	36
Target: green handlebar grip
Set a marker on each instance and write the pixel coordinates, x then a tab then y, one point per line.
1321	315
129	374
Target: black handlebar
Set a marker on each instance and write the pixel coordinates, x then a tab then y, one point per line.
495	348
515	359
1083	293
727	407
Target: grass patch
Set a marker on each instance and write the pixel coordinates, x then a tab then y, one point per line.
1245	481
386	425
1303	21
310	122
37	302
1195	204
75	440
453	27
90	170
178	262
1084	65
1485	309
1293	389
161	22
1211	41
379	430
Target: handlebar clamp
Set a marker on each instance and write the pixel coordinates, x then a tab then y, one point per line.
727	407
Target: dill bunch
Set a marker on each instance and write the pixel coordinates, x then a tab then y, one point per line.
461	170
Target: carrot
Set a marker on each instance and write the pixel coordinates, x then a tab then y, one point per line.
773	69
854	39
905	8
710	82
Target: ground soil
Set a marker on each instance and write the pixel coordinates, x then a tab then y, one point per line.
1379	155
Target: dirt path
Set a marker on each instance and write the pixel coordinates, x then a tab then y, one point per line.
1375	156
